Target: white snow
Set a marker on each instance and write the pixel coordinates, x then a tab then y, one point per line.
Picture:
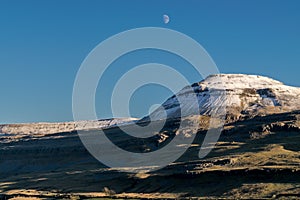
242	91
49	128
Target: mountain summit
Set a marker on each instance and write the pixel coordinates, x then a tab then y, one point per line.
245	96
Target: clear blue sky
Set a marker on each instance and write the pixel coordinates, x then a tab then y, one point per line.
43	43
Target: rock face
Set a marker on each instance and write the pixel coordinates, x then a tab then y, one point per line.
245	96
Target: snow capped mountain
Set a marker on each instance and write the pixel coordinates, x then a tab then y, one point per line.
244	96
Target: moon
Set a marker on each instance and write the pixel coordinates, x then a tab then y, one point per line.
166	19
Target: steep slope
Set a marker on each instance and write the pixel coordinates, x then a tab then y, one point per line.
246	96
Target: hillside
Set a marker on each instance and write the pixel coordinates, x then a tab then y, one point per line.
256	156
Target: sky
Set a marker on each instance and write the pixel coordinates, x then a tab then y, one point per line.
43	43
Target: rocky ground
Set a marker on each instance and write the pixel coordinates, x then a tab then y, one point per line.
254	158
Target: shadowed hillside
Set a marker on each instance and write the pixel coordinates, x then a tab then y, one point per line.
259	157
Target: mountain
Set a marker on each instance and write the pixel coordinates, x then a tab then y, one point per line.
256	157
245	96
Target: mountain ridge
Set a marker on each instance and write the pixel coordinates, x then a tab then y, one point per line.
244	95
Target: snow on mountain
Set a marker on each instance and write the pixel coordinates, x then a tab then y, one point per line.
50	128
244	96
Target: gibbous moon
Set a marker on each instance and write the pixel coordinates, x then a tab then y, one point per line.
166	19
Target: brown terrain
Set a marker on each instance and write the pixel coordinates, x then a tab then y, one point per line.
254	158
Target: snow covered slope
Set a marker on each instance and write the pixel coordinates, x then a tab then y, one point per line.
246	96
50	128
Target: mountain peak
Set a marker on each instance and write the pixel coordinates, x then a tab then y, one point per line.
246	96
234	81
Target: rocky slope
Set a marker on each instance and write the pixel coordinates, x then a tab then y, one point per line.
245	96
254	158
